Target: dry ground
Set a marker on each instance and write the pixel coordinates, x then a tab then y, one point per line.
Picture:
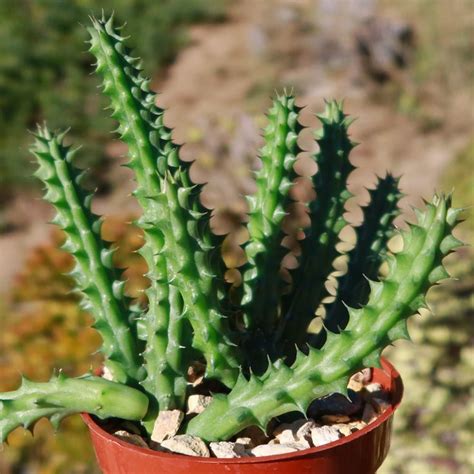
228	74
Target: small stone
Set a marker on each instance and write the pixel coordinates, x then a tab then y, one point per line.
243	441
380	404
324	435
186	444
331	419
226	449
286	436
302	444
256	435
131	438
294	426
343	428
297	432
355	385
166	425
363	377
304	432
198	403
369	414
358	380
357	425
336	404
274	449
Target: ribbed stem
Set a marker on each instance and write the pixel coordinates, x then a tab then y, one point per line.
383	320
94	272
63	396
267	208
133	107
365	258
175	224
318	249
211	332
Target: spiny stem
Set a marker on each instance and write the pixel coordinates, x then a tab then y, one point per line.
174	221
366	257
63	396
139	120
94	273
196	281
261	279
318	249
284	389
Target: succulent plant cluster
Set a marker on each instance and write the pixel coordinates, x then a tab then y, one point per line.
253	339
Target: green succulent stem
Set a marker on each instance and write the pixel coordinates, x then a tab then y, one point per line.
270	364
133	107
94	273
267	209
318	248
175	223
63	396
380	322
365	259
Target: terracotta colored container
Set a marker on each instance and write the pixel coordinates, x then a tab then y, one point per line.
360	453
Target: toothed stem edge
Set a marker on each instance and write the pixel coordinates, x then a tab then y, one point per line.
103	292
63	396
383	320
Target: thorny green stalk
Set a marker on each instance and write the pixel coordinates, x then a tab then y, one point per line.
150	352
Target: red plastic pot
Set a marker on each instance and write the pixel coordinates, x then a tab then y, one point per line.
360	453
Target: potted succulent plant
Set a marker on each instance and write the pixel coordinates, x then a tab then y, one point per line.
259	361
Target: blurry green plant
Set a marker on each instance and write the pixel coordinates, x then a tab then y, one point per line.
42	74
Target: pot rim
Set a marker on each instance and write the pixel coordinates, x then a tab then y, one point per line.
395	387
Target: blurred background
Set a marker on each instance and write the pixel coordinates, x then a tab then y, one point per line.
404	68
